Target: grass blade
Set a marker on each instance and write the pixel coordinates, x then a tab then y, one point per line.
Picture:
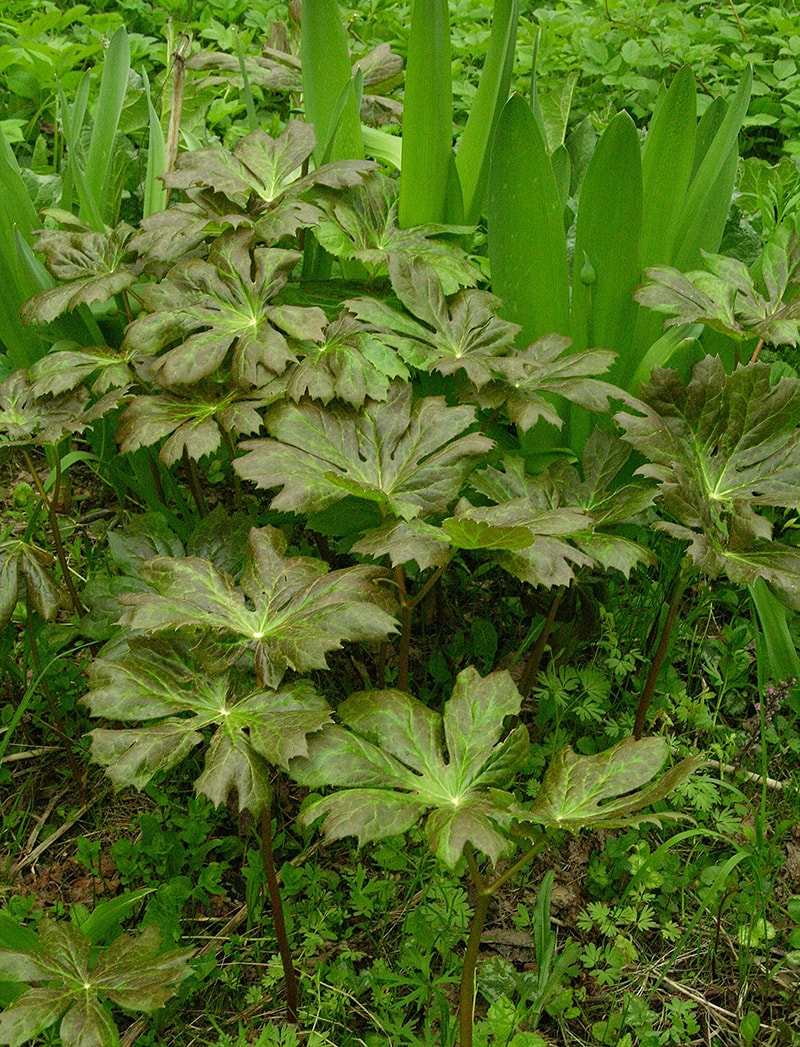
326	73
472	159
113	86
781	658
155	194
695	233
427	116
527	241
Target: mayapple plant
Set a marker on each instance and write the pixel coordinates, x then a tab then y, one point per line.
397	762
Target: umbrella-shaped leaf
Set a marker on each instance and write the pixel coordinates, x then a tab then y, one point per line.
289	611
132	972
463	333
409	458
391	762
164	682
219	311
349	362
610	789
90	266
719	447
363	225
548	367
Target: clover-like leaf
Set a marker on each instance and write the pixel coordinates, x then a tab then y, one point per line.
165	682
724	296
548	367
408	458
289	611
70	979
219	307
608	790
398	761
719	447
362	225
349	362
90	266
462	333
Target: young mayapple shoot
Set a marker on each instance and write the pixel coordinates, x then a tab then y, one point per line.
397	762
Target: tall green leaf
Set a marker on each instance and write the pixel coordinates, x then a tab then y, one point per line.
155	193
703	195
607	264
472	160
113	85
326	72
427	116
527	242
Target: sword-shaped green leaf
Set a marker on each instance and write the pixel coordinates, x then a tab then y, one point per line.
113	85
326	73
472	159
427	116
527	242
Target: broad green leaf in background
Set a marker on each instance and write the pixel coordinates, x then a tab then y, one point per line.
610	789
392	768
113	86
607	264
409	459
326	73
527	241
133	973
472	159
289	611
427	117
162	681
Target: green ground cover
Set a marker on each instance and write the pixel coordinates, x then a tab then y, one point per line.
399	549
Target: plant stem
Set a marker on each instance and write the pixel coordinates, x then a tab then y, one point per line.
278	919
532	666
429	584
406	609
178	81
57	724
663	646
757	350
466	989
54	528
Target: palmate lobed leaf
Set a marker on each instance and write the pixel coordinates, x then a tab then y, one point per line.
447	335
25	565
607	790
725	296
90	266
719	448
391	763
25	419
546	367
409	458
220	311
132	972
289	611
165	681
349	362
362	225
